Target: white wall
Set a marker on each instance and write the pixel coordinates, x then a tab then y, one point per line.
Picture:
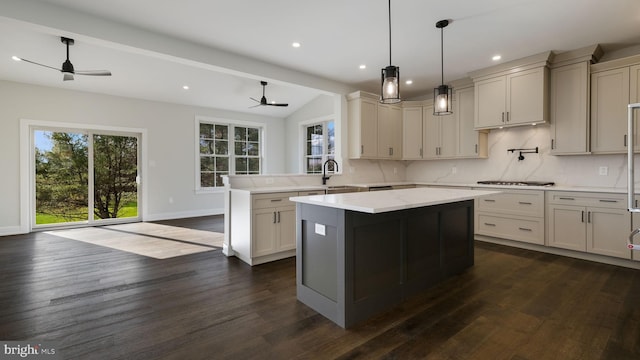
170	144
578	170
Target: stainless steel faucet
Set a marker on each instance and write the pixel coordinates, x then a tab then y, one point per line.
324	170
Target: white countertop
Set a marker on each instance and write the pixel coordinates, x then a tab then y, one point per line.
391	200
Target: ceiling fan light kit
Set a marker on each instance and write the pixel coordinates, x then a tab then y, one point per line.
67	69
443	94
390	82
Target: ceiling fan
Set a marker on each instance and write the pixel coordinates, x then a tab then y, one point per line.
263	101
67	67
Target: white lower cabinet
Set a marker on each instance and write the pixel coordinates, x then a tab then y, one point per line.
512	214
263	226
596	223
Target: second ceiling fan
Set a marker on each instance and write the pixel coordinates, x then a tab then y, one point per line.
263	100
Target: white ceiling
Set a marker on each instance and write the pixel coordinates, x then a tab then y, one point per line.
228	46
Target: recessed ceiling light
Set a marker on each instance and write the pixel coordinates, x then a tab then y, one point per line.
363	66
295	44
409	82
496	57
16	58
186	87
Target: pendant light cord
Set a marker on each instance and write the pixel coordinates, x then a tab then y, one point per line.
442	55
389	32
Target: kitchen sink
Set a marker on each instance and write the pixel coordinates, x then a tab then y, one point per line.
341	189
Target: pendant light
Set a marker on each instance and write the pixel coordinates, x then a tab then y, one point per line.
390	91
443	94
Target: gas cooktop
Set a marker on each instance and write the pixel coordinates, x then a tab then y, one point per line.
519	183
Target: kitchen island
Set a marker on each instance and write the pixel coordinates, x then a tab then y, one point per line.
359	254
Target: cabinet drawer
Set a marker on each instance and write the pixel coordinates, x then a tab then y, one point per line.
526	230
603	200
261	201
311	192
528	203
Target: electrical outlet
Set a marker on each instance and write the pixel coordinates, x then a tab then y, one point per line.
454	170
604	170
269	180
395	171
352	169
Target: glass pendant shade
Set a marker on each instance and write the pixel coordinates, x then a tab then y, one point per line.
442	100
390	92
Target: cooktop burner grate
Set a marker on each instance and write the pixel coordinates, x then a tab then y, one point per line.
518	183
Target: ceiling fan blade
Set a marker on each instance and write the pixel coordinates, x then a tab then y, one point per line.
93	72
251	107
278	104
35	63
256	100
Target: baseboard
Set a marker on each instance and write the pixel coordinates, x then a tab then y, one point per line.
183	214
11	230
562	252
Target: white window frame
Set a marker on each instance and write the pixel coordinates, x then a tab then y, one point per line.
303	142
231	147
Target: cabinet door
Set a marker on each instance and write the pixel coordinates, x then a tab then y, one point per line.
387	131
448	134
609	100
264	235
608	232
412	133
634	97
363	128
431	135
567	227
569	109
467	136
490	102
526	103
287	228
395	135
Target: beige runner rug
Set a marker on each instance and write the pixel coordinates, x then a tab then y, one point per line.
147	239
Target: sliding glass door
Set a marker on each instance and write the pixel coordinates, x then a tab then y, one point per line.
84	177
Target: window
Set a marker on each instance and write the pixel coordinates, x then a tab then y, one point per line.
216	158
319	146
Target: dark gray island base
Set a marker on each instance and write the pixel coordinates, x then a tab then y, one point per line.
352	265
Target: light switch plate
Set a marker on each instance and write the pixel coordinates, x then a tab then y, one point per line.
320	229
604	170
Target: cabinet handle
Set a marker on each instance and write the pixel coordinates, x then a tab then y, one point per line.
361	149
608	201
524	229
489	200
274	217
476	148
507	116
503	116
625	140
489	224
552	144
421	152
278	216
589	216
582	217
636	203
524	203
566	198
276	200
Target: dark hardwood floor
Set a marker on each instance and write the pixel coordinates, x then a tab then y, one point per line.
99	303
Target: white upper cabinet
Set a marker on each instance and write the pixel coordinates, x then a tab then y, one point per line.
389	132
512	94
412	133
569	93
471	142
609	100
375	130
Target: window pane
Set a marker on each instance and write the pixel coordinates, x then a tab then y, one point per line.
254	166
206	179
206	146
207	163
253	149
240	134
222	164
206	131
309	132
222	132
314	165
241	165
240	148
253	134
219	179
222	147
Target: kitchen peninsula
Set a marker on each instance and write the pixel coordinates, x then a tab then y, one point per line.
359	254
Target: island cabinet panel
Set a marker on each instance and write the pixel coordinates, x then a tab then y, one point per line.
352	265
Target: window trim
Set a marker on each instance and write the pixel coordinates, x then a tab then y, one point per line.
231	123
